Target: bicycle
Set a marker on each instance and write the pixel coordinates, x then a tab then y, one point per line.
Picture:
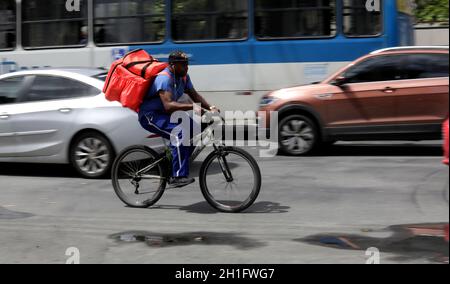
140	175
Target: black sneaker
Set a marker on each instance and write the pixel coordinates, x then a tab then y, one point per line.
178	182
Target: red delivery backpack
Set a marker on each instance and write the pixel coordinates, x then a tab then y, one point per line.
130	77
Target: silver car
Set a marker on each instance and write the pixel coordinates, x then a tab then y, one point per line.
61	116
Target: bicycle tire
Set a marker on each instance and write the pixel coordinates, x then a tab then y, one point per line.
162	172
206	191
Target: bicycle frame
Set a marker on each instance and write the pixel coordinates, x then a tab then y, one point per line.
202	140
205	138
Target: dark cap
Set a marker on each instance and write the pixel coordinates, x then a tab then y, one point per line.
178	56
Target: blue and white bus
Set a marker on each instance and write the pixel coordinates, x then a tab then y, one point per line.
240	49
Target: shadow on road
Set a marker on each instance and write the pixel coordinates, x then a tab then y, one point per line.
37	170
6	214
263	207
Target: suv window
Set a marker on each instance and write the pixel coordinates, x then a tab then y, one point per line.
421	66
10	89
379	68
58	88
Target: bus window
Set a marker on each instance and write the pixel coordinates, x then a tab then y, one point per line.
53	24
295	18
205	20
361	20
129	21
7	24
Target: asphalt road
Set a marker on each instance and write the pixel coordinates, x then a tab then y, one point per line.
328	208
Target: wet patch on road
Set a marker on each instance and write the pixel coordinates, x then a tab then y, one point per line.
157	240
407	242
6	214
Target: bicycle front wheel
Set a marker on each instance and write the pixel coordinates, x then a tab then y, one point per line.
230	179
139	176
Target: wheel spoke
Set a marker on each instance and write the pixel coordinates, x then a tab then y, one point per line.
290	143
104	157
84	148
297	125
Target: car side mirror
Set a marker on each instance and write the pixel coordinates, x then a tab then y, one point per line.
340	81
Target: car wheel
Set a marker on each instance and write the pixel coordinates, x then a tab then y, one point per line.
297	135
92	155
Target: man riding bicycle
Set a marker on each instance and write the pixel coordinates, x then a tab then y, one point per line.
162	101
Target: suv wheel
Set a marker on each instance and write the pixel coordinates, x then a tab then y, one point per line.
92	155
297	135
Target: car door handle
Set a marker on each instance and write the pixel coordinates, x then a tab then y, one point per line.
389	90
4	116
324	96
65	110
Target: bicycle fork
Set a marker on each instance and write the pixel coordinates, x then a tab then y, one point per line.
224	165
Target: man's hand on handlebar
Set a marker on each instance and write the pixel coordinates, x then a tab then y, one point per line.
214	109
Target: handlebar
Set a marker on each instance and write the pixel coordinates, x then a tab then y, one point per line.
210	116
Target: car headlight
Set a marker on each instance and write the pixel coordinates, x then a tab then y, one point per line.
268	101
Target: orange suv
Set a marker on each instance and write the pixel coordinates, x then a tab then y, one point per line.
391	94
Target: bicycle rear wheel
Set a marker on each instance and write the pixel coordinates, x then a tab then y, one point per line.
139	176
230	179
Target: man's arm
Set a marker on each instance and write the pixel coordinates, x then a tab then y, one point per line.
171	106
197	98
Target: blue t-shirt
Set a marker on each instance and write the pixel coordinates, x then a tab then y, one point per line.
152	101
